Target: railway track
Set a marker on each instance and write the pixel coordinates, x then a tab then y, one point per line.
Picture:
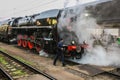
4	75
17	69
91	72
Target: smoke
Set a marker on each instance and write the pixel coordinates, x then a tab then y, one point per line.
66	3
83	26
77	2
77	24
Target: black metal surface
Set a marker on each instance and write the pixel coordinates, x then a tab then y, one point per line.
49	14
112	74
92	71
115	71
5	75
29	67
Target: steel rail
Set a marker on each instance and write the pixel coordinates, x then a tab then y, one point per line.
7	76
29	67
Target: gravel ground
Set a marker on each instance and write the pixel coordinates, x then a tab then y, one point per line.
45	64
33	77
42	63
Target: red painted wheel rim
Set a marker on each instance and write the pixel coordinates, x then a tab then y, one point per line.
19	42
19	36
25	36
38	48
24	43
32	37
30	45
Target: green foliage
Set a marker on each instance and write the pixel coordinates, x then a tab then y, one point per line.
118	40
22	60
2	60
19	72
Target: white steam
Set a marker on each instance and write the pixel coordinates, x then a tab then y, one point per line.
99	56
66	3
83	26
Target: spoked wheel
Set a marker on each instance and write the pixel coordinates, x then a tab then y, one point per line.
32	37
38	48
30	45
19	42
24	43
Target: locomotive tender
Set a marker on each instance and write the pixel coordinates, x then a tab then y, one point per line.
38	32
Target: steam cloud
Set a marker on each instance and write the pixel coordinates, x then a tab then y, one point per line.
80	29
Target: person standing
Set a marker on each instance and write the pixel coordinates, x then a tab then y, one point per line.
59	54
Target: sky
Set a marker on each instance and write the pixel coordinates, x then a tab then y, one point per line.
15	8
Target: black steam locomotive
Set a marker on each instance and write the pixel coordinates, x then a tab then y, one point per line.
39	31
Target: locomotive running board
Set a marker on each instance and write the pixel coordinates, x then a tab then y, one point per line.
30	27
